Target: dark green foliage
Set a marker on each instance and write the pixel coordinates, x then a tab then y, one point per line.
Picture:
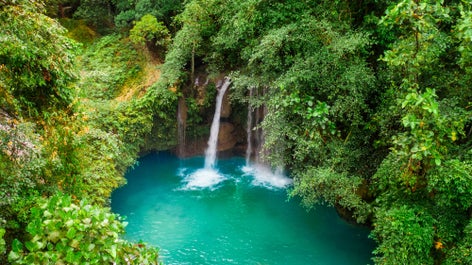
331	187
151	32
35	59
129	11
462	252
368	106
406	236
427	168
452	173
98	13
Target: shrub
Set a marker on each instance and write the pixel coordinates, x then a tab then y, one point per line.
149	30
63	232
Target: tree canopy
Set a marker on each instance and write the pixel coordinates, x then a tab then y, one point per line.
367	105
371	99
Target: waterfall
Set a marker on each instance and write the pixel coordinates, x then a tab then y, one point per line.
249	127
208	177
210	152
259	170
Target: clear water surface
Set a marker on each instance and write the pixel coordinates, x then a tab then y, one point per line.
242	218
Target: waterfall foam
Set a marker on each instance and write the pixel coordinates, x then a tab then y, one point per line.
264	176
203	178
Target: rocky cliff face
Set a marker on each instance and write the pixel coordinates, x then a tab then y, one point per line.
226	106
226	137
228	134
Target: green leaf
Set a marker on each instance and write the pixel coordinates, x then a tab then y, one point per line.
112	251
17	246
13	255
31	246
70	257
71	233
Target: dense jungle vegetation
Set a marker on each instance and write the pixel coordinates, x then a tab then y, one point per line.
368	106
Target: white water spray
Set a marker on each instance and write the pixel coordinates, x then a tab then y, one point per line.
261	173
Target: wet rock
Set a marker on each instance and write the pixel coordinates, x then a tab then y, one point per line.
226	137
226	106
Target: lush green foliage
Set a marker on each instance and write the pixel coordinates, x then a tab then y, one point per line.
129	11
2	241
428	168
112	67
334	188
149	30
60	231
77	138
368	105
106	66
408	236
36	69
461	252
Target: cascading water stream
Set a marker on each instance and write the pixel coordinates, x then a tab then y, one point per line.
210	152
208	176
262	173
